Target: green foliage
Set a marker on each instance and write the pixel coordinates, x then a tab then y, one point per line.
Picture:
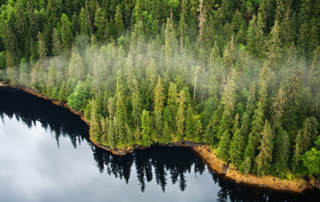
237	146
264	159
3	57
311	160
224	145
146	128
78	99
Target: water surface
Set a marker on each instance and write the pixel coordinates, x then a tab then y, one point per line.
46	155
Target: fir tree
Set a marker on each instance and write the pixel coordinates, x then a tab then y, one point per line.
118	22
237	144
180	118
146	128
264	159
66	33
158	96
11	69
282	153
224	145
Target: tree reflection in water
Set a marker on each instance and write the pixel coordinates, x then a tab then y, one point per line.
162	164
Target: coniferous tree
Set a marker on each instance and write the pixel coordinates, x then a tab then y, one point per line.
66	33
180	118
11	69
224	145
282	154
264	159
146	128
95	128
56	44
237	145
118	22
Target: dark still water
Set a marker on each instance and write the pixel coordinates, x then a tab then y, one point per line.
46	155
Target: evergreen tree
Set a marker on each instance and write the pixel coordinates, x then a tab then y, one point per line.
118	22
62	92
146	128
282	153
180	118
84	23
24	77
66	33
237	145
100	22
95	128
190	124
264	159
56	44
224	145
11	69
158	96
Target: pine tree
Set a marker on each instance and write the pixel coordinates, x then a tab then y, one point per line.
251	35
309	133
95	128
247	166
237	21
258	117
104	130
282	153
180	118
224	145
118	22
264	159
228	101
172	99
146	128
121	111
274	55
237	144
24	77
259	39
241	37
11	69
66	33
170	44
190	124
84	23
56	43
136	104
62	92
100	22
297	151
42	46
303	38
313	41
158	96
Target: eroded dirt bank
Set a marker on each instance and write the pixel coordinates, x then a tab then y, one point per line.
219	166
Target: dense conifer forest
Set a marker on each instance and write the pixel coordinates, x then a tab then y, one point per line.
240	76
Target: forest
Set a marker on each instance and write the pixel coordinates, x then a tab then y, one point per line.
241	76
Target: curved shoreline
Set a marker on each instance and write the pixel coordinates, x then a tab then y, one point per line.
216	164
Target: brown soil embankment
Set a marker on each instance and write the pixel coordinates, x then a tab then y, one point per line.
219	166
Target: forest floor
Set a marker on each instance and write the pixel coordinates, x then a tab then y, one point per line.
209	155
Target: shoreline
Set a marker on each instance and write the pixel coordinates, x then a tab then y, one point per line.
210	157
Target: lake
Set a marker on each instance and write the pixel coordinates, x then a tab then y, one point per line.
46	155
